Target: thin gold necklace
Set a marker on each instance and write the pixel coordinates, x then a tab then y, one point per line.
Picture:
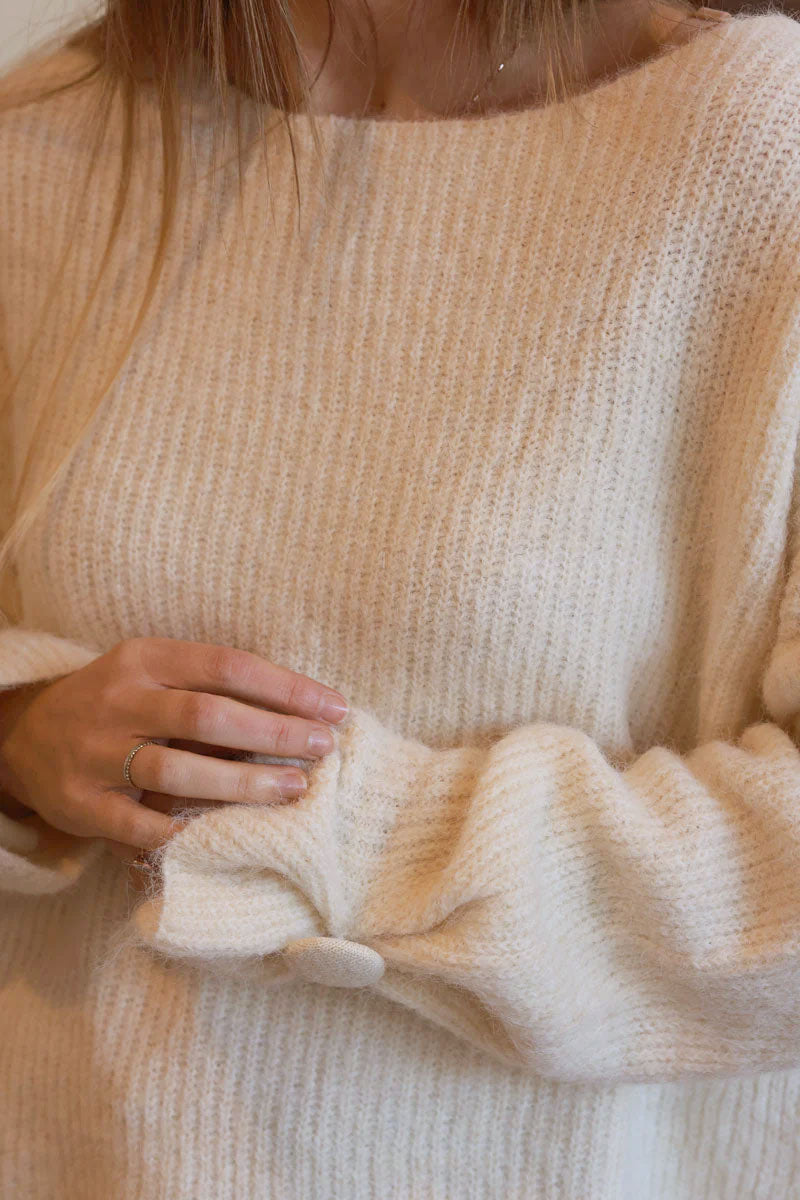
492	75
703	13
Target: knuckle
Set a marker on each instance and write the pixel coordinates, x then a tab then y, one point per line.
128	652
301	693
200	713
159	772
130	828
134	827
282	734
113	688
252	786
223	666
138	655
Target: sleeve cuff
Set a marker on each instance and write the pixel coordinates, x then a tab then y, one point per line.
380	859
30	656
243	880
36	859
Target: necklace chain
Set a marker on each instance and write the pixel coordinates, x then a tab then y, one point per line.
713	14
477	94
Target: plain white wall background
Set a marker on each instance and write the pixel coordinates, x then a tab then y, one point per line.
23	23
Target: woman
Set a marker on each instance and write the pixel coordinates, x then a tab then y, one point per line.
455	371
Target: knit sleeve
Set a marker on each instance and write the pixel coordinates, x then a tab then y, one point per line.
583	921
31	860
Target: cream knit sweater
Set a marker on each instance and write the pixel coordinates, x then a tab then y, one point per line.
499	440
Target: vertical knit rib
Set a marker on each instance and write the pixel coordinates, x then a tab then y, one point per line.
504	432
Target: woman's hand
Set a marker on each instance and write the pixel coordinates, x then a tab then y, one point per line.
63	743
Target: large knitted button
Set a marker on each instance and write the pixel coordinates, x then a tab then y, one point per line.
334	961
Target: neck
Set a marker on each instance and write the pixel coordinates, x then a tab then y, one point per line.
417	67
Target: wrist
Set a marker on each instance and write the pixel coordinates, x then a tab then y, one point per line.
13	702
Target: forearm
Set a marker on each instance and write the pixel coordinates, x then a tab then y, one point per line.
587	923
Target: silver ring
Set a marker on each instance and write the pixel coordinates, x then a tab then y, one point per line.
126	770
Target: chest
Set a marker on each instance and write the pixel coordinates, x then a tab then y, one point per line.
458	482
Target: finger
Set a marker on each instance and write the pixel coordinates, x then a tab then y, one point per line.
119	818
227	670
122	850
197	716
205	748
180	773
161	802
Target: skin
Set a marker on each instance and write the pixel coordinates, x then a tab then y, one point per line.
63	743
423	72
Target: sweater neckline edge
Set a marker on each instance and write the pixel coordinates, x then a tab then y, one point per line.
605	91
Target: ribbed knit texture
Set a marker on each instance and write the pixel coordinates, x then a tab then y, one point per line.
500	440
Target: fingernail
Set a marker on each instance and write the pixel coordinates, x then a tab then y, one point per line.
333	707
320	741
293	786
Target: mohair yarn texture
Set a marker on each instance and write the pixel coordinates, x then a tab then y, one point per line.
498	435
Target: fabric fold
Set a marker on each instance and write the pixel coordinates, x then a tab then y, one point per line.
581	922
34	655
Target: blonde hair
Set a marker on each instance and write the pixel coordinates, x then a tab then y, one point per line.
238	48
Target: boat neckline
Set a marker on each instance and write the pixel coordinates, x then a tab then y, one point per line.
603	91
